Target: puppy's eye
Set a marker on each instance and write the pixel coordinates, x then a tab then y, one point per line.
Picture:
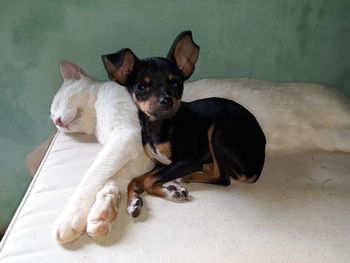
175	85
142	87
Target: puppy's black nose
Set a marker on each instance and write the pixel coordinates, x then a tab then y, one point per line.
166	101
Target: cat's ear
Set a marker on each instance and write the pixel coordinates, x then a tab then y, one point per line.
71	71
120	65
184	53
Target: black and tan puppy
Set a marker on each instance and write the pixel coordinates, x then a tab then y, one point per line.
207	141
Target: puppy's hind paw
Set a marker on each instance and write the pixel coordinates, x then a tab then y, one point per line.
181	180
175	192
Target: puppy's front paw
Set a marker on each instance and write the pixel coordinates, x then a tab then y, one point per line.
134	207
175	192
104	212
69	226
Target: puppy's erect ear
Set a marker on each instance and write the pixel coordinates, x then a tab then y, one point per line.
119	65
184	52
71	71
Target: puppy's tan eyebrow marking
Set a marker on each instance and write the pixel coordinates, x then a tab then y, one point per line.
147	80
170	76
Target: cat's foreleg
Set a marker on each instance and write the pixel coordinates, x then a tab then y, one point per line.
72	222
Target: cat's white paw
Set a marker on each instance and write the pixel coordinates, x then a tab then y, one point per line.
104	211
69	226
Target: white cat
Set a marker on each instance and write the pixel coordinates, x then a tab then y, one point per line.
83	104
293	116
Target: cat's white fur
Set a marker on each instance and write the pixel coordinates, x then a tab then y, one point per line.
105	109
293	116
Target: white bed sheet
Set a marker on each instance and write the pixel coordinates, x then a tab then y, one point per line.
299	211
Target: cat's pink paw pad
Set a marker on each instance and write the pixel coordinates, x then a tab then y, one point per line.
104	212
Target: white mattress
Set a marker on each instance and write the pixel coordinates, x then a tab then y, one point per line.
299	211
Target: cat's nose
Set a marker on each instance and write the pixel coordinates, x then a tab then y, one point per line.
58	122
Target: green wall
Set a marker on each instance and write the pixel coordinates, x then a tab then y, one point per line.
277	40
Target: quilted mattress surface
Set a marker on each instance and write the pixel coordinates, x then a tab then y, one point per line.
299	211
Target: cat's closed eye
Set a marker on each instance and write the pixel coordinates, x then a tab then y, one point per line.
79	113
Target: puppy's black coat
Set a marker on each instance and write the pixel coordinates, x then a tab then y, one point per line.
237	139
208	140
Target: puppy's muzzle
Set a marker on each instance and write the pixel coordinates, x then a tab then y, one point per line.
166	102
164	108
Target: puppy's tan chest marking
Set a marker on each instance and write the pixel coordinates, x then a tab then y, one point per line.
160	152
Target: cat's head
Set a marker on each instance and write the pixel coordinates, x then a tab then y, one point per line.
72	109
